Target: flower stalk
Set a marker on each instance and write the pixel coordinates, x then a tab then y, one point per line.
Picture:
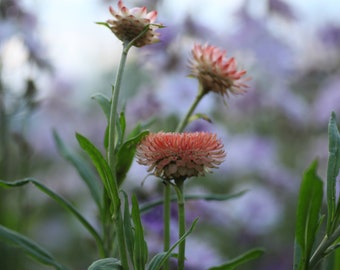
179	184
113	109
166	221
181	126
167	190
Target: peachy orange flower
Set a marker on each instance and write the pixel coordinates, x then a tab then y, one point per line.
129	23
180	155
216	72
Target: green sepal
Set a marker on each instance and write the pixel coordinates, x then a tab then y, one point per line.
104	24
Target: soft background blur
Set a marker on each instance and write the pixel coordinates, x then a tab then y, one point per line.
53	58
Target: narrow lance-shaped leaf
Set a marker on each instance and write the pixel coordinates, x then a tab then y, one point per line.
140	247
30	247
106	264
307	218
104	103
160	258
61	201
83	169
188	197
121	128
128	229
126	154
242	259
102	167
332	171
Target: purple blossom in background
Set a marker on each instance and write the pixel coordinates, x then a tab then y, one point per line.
258	207
327	100
200	254
142	107
272	55
241	151
330	35
282	9
153	224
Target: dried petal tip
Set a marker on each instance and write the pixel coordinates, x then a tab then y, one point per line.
127	24
180	155
216	72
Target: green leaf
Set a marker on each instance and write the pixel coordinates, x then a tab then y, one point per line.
83	169
332	171
160	258
208	197
200	116
106	264
122	124
30	248
128	230
61	201
308	216
120	130
104	103
102	167
126	154
242	259
333	260
106	138
140	252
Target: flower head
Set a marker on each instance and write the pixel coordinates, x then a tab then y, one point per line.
129	23
215	71
180	155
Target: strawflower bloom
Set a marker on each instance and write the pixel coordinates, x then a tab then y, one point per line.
180	155
129	23
215	72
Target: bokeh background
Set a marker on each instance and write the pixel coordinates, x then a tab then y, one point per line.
53	58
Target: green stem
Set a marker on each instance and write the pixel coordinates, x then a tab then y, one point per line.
113	109
181	223
180	201
181	126
115	97
166	220
111	158
321	250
